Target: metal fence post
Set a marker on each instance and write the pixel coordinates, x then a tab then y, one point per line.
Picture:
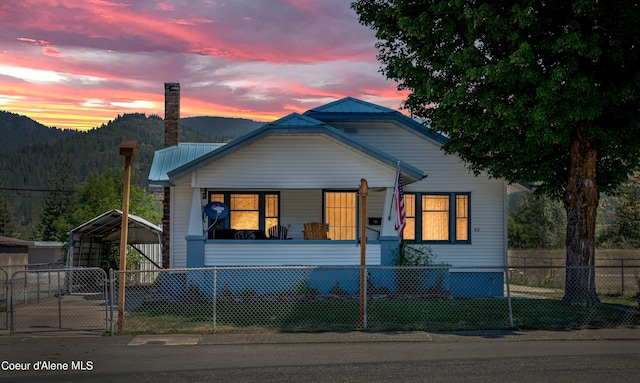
12	318
105	291
111	297
214	299
622	275
59	304
364	320
26	295
506	278
5	287
38	287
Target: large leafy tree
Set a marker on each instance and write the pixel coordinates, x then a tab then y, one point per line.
103	192
526	90
621	222
538	222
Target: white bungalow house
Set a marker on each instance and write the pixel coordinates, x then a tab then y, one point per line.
307	168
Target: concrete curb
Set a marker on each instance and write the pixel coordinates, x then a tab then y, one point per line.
615	334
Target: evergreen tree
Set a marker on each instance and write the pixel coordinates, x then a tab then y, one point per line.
59	206
8	226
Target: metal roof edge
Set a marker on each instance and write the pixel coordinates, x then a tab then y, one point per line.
379	109
269	129
132	217
169	156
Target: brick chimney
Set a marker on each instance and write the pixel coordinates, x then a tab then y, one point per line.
171	134
171	113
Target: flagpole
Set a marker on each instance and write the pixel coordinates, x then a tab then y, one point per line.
395	185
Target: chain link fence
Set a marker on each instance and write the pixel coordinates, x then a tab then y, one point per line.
58	299
312	299
374	298
614	276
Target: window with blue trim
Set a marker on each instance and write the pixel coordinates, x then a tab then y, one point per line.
247	210
437	217
341	214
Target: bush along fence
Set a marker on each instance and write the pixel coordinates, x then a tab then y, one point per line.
372	298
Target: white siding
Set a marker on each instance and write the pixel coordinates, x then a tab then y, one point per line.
301	162
301	166
447	173
277	253
180	209
154	254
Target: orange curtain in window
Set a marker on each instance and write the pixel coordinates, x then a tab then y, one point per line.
435	218
462	218
340	214
244	212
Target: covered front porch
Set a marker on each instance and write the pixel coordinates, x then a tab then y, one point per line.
342	213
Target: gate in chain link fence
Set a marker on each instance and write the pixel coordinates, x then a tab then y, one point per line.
374	298
58	300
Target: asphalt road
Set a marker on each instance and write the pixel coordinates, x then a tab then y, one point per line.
412	357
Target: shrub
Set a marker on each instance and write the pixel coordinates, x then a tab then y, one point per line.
411	280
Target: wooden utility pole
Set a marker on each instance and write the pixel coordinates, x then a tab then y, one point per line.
128	149
363	192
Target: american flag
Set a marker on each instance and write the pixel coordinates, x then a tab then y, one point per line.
400	211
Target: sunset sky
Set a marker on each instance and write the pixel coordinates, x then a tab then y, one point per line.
75	64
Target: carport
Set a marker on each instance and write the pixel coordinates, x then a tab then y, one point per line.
92	241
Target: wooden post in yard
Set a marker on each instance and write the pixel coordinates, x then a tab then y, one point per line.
128	149
363	192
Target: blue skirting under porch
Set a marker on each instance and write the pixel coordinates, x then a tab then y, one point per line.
329	280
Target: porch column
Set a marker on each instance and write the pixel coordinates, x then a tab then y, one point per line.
389	247
195	233
389	239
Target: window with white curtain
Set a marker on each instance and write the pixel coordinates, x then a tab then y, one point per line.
437	217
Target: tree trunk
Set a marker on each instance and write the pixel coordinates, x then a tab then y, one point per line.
581	199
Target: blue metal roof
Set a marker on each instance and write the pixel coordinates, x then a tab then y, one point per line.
168	159
295	119
351	109
350	105
177	161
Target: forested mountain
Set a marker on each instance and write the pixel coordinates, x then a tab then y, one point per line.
30	166
18	131
219	129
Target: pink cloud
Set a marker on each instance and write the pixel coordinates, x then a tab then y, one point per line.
165	7
259	59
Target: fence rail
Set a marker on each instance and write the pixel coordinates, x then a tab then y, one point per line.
614	277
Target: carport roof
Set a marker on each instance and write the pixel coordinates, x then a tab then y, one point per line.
107	228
